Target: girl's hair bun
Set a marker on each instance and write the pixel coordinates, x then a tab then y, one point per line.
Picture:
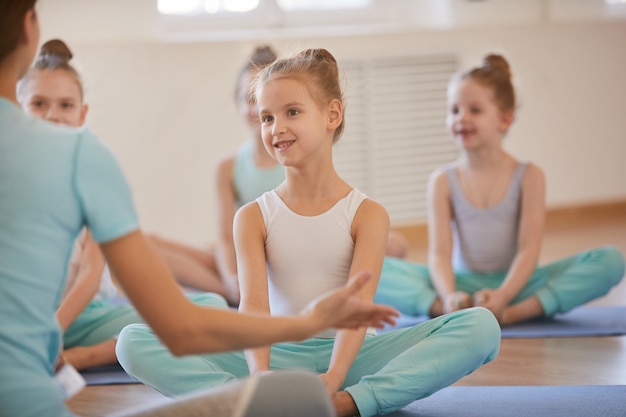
494	73
498	64
56	48
263	55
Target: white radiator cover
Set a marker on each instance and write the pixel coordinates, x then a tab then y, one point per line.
395	133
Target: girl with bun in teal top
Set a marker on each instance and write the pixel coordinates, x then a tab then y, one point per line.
89	314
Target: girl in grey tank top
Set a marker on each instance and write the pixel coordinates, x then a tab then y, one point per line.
486	220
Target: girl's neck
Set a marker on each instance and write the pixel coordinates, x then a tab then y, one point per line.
313	183
486	158
310	195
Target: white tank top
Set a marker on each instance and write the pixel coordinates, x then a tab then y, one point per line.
306	255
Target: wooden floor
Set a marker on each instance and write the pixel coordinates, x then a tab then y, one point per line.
550	361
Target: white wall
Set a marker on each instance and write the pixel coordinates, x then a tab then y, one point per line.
166	110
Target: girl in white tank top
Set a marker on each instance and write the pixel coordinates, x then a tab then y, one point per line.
312	234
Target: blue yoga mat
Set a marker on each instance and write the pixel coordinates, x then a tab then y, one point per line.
582	321
107	375
521	401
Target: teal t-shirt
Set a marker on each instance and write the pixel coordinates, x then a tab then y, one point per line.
53	181
250	181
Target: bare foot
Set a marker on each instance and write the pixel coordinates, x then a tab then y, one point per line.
82	357
345	405
436	309
527	309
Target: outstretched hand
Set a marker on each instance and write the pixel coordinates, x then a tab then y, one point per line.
343	309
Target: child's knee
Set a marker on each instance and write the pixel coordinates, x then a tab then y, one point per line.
479	331
614	262
485	330
128	346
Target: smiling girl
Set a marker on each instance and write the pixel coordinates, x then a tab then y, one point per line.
486	220
312	234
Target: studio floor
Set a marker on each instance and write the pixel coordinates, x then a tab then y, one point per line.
539	361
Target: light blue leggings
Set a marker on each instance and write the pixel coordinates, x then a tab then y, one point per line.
103	320
390	371
559	286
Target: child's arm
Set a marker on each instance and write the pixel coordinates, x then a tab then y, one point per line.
90	267
250	234
186	328
225	248
440	244
370	229
530	231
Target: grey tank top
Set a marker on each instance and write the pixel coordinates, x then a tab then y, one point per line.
485	239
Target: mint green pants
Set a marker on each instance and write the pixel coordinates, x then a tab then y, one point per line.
391	370
103	320
559	286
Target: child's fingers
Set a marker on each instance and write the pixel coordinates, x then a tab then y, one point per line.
480	297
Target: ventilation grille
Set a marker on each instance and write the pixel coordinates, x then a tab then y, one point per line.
395	132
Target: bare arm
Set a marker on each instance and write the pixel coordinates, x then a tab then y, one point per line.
370	229
193	329
250	245
225	248
440	243
530	232
90	267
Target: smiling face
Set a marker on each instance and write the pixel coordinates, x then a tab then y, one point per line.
473	117
54	95
294	125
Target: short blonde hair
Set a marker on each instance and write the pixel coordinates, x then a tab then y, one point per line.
317	67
